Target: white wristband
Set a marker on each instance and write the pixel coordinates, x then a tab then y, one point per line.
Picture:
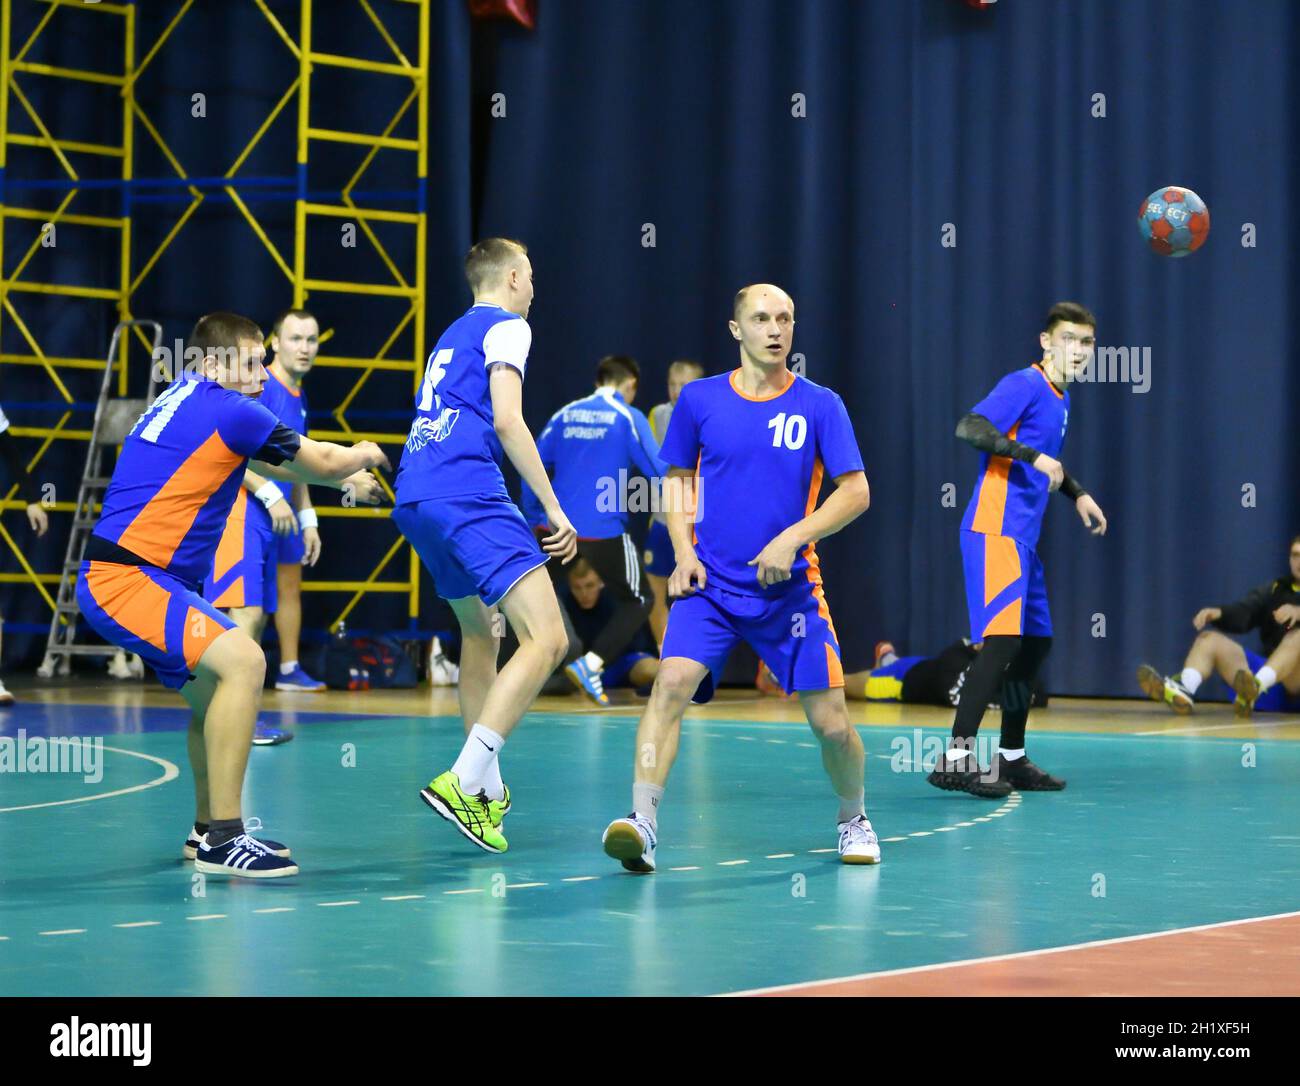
268	494
307	519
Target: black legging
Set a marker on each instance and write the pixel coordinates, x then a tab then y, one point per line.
1004	670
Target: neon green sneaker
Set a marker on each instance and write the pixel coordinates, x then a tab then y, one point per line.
1246	687
499	808
1159	688
472	815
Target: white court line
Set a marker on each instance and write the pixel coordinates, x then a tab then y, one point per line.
64	931
683	869
403	897
448	893
581	878
140	924
277	909
1195	729
731	863
334	904
208	916
1013	957
170	773
522	885
779	856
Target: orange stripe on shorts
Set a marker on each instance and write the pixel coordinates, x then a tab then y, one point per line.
131	599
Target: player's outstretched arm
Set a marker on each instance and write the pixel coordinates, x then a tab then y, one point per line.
506	386
850	499
324	463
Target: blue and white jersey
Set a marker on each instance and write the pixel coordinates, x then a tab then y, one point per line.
590	447
452	449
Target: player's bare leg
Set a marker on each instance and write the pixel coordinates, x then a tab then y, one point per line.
1282	665
288	608
471	795
1211	653
226	695
252	621
845	761
842	751
632	840
479	646
658	608
223	698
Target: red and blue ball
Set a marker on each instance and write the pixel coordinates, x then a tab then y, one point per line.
1174	221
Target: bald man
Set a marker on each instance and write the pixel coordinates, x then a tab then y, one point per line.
757	442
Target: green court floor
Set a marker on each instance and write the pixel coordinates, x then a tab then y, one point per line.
1153	833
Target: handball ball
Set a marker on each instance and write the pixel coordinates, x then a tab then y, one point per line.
1174	221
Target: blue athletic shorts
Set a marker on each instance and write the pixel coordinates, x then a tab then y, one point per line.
148	611
288	549
659	557
620	671
243	573
476	545
791	631
1006	593
1275	699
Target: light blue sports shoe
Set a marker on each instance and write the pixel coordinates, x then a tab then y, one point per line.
586	677
298	680
266	736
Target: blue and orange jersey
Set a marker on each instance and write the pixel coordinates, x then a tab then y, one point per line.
1010	496
760	464
177	476
289	405
452	449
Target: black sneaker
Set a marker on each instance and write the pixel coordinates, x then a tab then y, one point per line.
977	782
1024	776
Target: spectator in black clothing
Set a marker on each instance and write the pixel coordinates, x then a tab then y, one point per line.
915	680
1264	685
36	515
589	607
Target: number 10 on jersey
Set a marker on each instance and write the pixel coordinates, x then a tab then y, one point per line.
788	430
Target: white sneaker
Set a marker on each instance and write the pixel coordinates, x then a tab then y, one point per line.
632	841
6	698
858	842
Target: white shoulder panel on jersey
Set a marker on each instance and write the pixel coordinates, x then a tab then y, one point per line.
508	341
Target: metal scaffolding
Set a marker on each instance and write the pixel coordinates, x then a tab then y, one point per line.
317	144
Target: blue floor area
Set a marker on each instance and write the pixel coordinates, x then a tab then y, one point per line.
1153	833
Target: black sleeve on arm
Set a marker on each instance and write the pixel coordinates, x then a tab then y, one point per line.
1072	488
1247	613
17	469
281	445
976	430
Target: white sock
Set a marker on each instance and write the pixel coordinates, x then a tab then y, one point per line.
1191	679
851	807
493	785
1011	755
1266	677
287	666
478	753
645	800
594	662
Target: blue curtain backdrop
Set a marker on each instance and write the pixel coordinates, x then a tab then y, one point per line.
681	114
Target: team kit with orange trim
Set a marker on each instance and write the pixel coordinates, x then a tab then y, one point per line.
780	447
172	491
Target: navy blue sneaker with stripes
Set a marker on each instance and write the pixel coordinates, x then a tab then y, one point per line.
244	856
251	825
